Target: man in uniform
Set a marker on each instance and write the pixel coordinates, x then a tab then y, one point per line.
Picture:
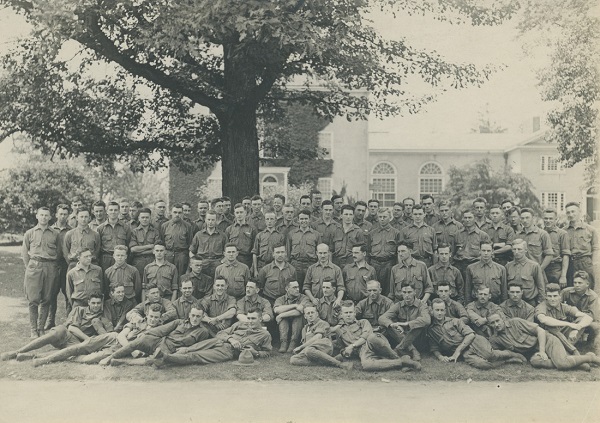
373	306
288	222
501	234
265	242
446	228
338	202
242	235
112	232
326	226
397	215
76	204
316	200
427	202
202	209
373	205
486	273
357	274
347	236
125	274
408	204
168	312
422	236
209	244
202	284
83	280
160	209
162	274
480	310
585	245
514	219
124	210
454	309
302	245
479	209
117	306
288	314
62	214
383	240
134	213
235	273
143	239
252	301
444	272
227	210
468	241
257	218
581	296
219	307
556	271
515	306
186	215
526	272
360	209
184	304
273	277
278	203
99	211
323	270
539	244
80	238
409	271
177	236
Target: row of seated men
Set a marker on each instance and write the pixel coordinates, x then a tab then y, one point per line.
384	335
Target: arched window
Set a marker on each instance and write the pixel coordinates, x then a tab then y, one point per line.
431	179
383	183
269	186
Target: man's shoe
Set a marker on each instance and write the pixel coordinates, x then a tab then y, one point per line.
37	362
11	355
415	354
293	345
158	353
339	357
49	325
158	363
25	356
117	362
595	357
585	367
283	347
34	334
407	363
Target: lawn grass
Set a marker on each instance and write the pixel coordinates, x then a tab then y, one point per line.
15	333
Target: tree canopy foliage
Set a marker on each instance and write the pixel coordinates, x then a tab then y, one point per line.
188	80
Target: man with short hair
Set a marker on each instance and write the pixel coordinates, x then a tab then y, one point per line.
479	210
247	203
501	234
235	273
323	270
202	209
186	215
427	202
160	210
288	314
152	296
373	306
59	283
326	226
345	237
422	236
177	236
581	296
397	215
406	321
76	204
242	235
526	272
444	273
409	271
328	305
162	274
83	280
539	244
383	240
408	203
506	206
316	200
265	241
273	277
99	212
288	223
446	228
80	238
556	271
134	212
514	219
357	274
302	245
257	218
316	347
338	202
360	209
143	238
454	309
201	283
486	273
112	232
373	206
252	301
480	310
277	204
117	306
585	245
514	306
454	338
125	274
219	307
124	210
186	300
209	244
468	241
227	210
306	203
356	339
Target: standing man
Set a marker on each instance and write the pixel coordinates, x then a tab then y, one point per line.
479	210
360	209
302	246
99	210
444	272
177	236
278	203
208	244
326	226
539	244
288	220
422	236
143	239
124	210
357	274
409	271
373	205
257	218
526	272
447	228
80	238
124	274
76	204
397	214
62	214
83	280
383	240
202	209
486	273
316	199
227	211
427	201
515	306
265	242
234	272
468	241
585	245
186	209
514	219
338	202
134	213
501	234
162	274
320	272
556	271
160	210
242	235
346	237
112	232
273	277
408	204
40	254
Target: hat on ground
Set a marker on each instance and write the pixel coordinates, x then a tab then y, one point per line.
245	358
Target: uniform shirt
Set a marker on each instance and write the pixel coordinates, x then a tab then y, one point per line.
488	274
202	284
398	224
285	229
521	310
223	224
310	330
584	239
285	299
561	244
40	244
117	311
183	306
372	219
82	317
237	275
373	310
467	244
317	273
587	302
141	236
440	272
431	218
424	239
257	221
519	335
529	273
455	310
257	303
127	275
247	336
539	243
180	333
562	312
327	231
356	278
416	314
80	239
364	225
264	243
165	276
447	335
198	224
81	283
350	333
343	241
502	233
483	225
208	246
302	246
242	235
158	221
61	240
272	279
383	242
328	311
95	223
445	232
214	306
177	235
413	272
167	310
476	310
110	236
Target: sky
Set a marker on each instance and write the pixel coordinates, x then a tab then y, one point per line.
511	94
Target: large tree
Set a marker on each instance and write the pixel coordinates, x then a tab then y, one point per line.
188	79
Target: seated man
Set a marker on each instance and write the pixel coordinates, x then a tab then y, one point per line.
96	348
252	301
515	306
454	309
406	321
226	346
219	307
316	347
581	296
479	311
82	323
186	301
202	283
153	297
565	322
444	272
543	349
164	339
117	307
356	339
373	307
328	305
235	272
125	274
452	337
288	314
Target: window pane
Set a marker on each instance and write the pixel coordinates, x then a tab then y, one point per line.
384	169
